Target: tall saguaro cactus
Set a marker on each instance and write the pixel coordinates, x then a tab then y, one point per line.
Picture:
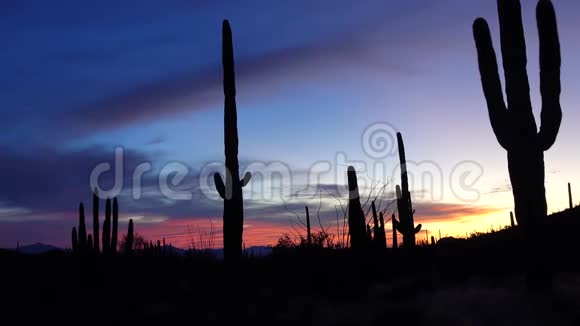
356	218
406	224
514	124
231	190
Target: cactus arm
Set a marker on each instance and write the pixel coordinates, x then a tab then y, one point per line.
513	48
246	179
418	228
491	83
219	185
550	62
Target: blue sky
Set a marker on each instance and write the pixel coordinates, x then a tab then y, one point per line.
79	79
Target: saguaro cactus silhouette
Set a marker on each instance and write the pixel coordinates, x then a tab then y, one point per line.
130	239
82	234
231	190
514	125
356	218
406	224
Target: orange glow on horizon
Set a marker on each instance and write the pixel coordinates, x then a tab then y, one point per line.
450	219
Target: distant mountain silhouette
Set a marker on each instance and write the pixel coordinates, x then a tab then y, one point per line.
37	249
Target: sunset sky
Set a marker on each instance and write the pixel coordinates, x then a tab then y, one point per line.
79	79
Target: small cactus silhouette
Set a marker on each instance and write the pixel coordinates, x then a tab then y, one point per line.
405	225
231	190
82	232
130	239
356	218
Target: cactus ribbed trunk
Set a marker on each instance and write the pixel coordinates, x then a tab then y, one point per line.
114	235
231	191
514	124
96	243
356	218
